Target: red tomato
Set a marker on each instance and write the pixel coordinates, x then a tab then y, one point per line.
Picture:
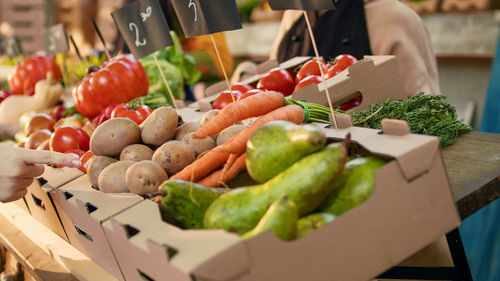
84	159
278	80
136	113
332	71
67	138
311	67
307	81
225	98
351	103
58	111
31	70
243	88
344	61
121	79
250	93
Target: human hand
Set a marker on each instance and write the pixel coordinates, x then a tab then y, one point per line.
19	166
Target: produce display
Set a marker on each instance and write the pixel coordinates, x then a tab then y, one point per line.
250	165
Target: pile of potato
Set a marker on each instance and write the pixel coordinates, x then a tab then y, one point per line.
133	158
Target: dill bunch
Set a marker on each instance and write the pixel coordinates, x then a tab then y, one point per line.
425	114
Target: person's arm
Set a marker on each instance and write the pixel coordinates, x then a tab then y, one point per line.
19	166
8	130
395	29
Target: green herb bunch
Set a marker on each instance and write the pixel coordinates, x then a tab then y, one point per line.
425	114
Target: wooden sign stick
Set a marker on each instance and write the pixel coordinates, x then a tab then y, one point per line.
320	68
101	38
222	66
76	48
165	80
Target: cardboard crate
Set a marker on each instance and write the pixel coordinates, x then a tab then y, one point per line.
375	78
411	206
39	202
83	210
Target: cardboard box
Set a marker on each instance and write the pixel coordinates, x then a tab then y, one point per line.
411	206
261	69
39	202
83	210
375	78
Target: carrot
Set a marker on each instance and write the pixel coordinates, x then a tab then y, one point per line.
224	175
252	106
202	166
238	145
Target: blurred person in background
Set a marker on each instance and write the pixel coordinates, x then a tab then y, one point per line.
364	27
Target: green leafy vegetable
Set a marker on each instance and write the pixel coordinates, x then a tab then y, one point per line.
172	75
153	100
425	114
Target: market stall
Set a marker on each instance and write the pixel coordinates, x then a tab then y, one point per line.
305	169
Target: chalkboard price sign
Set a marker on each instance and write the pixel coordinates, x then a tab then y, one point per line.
143	26
13	47
201	17
55	39
306	5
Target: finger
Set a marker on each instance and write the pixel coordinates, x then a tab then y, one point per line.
22	183
50	157
32	170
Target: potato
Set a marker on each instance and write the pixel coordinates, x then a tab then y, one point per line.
136	152
209	116
173	156
185	129
112	136
145	177
160	126
112	178
95	165
229	132
198	145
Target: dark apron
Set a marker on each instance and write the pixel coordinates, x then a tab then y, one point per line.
342	31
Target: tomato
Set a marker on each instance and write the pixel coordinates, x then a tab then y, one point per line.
278	80
58	112
344	61
84	159
67	138
75	151
136	113
121	79
351	103
312	79
225	98
250	93
332	71
243	88
31	70
309	68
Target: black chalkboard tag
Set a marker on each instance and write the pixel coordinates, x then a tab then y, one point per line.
201	17
306	5
143	26
55	39
13	47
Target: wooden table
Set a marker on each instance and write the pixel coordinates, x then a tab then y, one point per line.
473	167
472	163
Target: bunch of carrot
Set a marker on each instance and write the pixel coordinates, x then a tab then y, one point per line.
269	106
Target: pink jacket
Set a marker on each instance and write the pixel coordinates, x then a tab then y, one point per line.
393	29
